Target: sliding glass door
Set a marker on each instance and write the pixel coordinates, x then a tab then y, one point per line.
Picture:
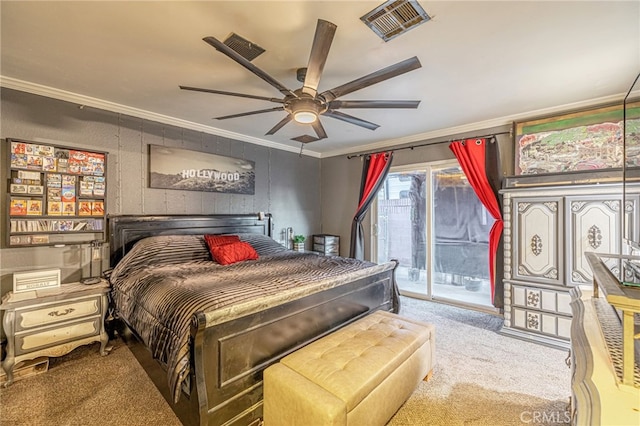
429	218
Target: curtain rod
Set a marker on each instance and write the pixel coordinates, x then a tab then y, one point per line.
492	135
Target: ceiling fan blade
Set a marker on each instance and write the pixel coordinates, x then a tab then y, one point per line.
317	127
325	31
373	104
240	95
280	124
248	65
244	114
351	119
373	78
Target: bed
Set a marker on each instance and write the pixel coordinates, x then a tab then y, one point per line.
204	332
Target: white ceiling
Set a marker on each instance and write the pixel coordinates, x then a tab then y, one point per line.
483	63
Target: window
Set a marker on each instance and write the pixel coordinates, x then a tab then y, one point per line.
429	219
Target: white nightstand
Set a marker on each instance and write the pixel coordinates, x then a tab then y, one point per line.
53	322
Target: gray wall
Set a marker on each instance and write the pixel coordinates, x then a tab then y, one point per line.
291	187
287	185
341	180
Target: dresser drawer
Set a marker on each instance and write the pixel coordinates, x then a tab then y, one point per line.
56	335
542	299
326	248
541	322
326	239
55	313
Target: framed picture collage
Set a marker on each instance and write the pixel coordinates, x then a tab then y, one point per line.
56	194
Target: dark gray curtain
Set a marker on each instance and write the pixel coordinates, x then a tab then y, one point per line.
493	170
374	172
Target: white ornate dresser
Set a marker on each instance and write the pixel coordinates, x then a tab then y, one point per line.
53	322
547	231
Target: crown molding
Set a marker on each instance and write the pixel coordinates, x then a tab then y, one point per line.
63	95
38	89
478	126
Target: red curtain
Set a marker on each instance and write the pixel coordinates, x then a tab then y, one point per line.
374	171
471	156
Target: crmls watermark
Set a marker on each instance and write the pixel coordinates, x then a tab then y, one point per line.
545	417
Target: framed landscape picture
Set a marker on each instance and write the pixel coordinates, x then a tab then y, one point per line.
578	141
182	169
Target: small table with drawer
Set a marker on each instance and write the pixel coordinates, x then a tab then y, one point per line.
326	244
53	322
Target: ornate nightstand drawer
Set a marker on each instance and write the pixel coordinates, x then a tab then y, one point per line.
52	336
57	312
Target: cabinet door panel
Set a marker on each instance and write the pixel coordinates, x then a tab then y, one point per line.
538	253
594	226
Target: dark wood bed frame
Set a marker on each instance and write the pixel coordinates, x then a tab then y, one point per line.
227	359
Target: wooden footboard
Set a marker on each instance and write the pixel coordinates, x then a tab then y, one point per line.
229	358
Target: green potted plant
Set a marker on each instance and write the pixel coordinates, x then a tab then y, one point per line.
298	242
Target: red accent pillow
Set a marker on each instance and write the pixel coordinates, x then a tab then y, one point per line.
216	240
238	251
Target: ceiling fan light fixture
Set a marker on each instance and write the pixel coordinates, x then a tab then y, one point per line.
304	110
305	117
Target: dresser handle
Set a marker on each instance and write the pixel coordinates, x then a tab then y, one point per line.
58	314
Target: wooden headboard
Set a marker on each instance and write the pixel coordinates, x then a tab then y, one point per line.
126	230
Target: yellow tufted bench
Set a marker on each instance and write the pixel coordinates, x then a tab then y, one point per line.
358	375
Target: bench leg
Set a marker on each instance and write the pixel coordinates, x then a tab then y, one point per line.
428	376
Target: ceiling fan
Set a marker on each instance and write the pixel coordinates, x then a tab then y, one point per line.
305	105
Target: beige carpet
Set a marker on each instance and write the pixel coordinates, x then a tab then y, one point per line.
480	378
84	388
484	378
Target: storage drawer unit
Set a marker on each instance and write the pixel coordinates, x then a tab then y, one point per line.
53	322
547	231
326	244
541	310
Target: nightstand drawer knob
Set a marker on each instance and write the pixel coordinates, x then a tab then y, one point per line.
58	314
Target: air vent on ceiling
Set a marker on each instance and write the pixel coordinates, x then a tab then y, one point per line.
304	139
244	47
395	17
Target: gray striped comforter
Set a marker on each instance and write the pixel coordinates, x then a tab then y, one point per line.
164	280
